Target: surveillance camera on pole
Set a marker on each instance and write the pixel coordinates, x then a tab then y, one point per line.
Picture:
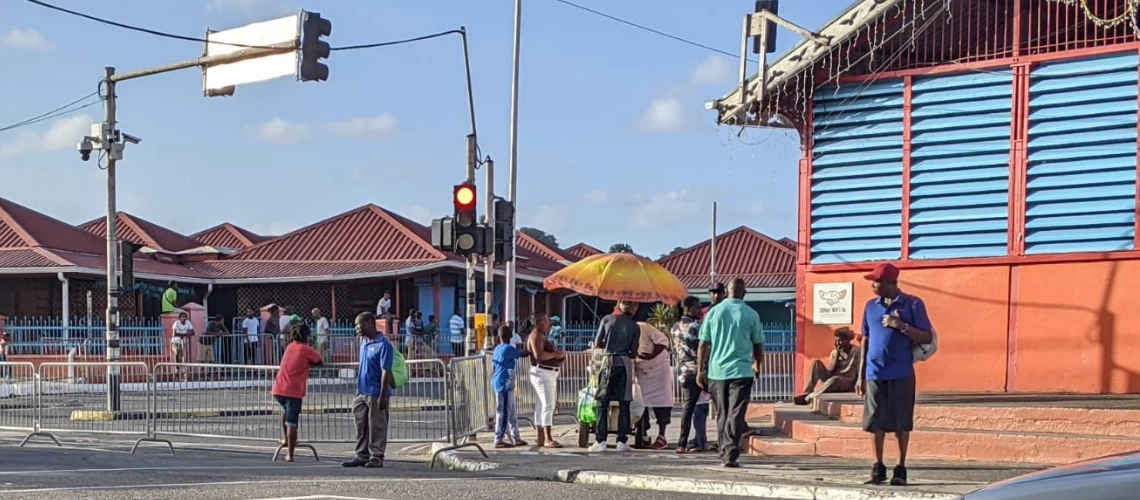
102	138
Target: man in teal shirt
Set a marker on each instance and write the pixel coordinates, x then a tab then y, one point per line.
728	360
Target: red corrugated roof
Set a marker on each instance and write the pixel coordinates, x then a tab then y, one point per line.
534	245
24	257
238	269
143	265
741	253
226	235
582	250
22	227
366	234
143	232
788	242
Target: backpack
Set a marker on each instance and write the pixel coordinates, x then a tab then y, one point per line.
399	370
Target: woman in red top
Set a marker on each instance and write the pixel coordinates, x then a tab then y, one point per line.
292	378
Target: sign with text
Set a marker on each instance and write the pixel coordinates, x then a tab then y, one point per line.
833	303
219	76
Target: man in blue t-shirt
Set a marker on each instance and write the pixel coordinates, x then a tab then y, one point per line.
893	322
503	383
373	388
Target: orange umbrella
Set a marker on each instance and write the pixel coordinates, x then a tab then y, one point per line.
619	276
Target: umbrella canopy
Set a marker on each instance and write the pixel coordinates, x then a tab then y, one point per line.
619	276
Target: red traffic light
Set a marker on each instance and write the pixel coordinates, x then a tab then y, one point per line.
464	197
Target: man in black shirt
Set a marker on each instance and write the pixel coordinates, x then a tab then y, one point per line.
618	339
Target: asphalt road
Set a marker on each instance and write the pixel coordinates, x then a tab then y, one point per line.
36	472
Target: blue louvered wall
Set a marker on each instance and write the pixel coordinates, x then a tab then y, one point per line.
856	181
1081	178
959	165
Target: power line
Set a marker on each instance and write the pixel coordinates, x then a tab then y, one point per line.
174	36
55	113
648	29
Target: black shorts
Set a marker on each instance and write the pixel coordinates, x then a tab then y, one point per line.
661	414
888	405
292	409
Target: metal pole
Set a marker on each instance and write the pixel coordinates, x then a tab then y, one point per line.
470	176
512	290
712	250
489	264
112	320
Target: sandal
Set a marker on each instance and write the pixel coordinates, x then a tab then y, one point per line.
289	459
554	444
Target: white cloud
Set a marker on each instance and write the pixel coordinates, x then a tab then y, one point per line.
664	209
716	70
549	218
30	39
280	131
378	126
418	213
63	134
665	114
596	197
273	228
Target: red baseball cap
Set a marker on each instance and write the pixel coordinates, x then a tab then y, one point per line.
886	272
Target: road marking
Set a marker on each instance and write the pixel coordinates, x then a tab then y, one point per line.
318	497
248	483
176	468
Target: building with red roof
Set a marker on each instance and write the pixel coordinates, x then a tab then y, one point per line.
582	250
552	252
342	264
767	266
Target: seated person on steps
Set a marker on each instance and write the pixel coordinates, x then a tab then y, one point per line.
840	372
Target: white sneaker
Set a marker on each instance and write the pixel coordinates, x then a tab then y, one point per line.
597	448
622	447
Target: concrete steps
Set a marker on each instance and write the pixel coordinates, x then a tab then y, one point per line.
966	432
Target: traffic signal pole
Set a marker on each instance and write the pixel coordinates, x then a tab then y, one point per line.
489	263
111	332
511	293
472	158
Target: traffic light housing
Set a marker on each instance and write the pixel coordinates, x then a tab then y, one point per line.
504	231
127	264
772	6
313	48
468	236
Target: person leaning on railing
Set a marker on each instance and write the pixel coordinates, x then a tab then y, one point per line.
291	382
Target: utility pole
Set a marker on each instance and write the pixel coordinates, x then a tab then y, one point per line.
489	263
470	343
511	296
112	319
712	250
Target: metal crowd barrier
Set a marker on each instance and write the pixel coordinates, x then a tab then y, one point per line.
18	408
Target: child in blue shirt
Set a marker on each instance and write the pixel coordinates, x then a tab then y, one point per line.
503	383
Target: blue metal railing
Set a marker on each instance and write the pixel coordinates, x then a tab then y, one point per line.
778	337
37	336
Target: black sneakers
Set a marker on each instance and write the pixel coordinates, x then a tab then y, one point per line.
878	474
899	478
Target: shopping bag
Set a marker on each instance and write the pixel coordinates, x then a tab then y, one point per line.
399	370
587	407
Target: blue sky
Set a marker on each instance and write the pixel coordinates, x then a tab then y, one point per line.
614	141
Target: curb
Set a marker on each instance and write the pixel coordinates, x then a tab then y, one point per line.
727	488
107	416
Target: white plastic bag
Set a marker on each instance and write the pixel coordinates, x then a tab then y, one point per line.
923	352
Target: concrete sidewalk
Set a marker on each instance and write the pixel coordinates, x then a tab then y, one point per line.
764	477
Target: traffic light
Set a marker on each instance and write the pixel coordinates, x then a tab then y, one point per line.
467	232
443	234
772	6
504	232
313	48
127	264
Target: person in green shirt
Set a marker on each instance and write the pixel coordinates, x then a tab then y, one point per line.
728	360
170	298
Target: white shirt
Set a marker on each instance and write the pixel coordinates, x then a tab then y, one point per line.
516	341
322	330
283	322
456	326
409	326
251	327
383	307
181	329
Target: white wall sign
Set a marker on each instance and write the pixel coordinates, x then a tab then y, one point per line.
833	303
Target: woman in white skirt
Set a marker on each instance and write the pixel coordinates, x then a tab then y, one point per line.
548	360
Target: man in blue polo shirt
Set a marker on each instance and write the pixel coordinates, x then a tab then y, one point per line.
373	387
893	322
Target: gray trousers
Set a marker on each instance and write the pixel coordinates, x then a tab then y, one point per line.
371	427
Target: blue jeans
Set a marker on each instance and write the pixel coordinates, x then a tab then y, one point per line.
700	417
506	416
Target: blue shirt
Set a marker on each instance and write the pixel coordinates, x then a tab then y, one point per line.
890	354
503	378
375	358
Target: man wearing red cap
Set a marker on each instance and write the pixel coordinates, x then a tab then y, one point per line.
893	322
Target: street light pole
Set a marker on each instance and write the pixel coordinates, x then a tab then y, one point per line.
112	320
511	296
